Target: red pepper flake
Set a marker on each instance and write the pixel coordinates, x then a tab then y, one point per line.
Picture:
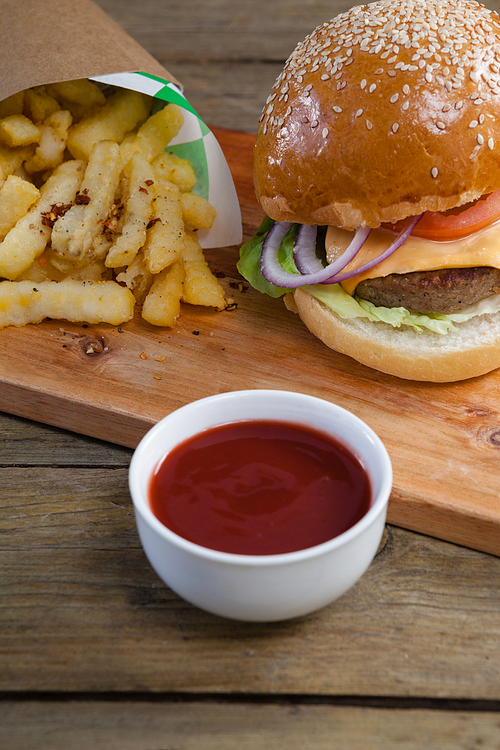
157	377
231	306
110	226
152	222
49	218
149	182
143	190
160	359
144	355
82	199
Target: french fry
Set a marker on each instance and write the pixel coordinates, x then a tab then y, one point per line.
165	237
28	239
138	203
23	302
90	237
154	135
38	104
74	232
11	159
80	91
163	302
197	213
16	198
137	277
18	130
123	111
172	168
53	137
42	269
200	285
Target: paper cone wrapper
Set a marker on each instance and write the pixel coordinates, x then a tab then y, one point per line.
48	41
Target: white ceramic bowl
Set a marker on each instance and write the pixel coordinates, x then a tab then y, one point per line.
261	587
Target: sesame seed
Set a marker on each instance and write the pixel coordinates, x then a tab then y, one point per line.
438	42
337	109
434	172
440	125
473	124
369	124
324	132
490	143
358	113
395	127
480	139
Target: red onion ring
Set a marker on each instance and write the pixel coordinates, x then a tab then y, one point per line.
400	239
311	270
304	249
274	273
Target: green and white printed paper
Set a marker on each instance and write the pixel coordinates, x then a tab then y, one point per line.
195	142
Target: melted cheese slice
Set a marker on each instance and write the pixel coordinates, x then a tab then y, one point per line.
416	254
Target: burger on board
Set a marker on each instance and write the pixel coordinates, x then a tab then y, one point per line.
377	162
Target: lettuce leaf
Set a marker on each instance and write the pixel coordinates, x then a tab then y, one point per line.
337	299
334	297
249	262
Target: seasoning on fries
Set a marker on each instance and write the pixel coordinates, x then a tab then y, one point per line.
96	216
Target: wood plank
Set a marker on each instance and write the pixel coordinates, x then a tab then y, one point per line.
444	439
27	443
82	610
214	30
139	725
228	94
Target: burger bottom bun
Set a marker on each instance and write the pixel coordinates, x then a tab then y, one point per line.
472	349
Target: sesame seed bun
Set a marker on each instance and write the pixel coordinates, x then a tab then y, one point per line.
388	110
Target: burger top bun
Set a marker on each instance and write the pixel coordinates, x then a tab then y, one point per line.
388	110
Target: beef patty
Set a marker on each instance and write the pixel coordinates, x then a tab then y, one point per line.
443	291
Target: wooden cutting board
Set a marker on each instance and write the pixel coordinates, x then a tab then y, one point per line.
114	383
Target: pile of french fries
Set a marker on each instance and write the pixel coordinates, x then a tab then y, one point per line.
96	216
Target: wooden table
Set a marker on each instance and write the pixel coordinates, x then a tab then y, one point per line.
97	653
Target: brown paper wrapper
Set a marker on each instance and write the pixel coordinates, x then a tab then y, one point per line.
47	41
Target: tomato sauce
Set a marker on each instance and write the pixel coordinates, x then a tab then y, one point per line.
259	488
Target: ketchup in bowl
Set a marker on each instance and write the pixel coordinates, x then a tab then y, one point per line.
259	487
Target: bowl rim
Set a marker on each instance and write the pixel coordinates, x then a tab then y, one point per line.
142	507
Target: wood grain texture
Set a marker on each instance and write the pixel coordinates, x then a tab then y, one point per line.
130	725
80	607
444	440
82	610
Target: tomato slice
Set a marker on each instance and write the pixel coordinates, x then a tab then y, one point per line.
458	222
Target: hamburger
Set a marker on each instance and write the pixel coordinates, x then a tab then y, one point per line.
377	163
